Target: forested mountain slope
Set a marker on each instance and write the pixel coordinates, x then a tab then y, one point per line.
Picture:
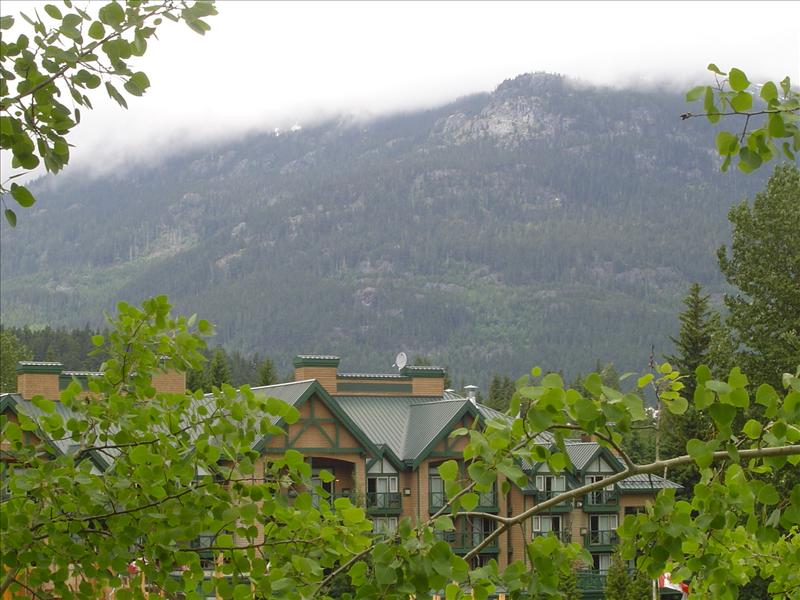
544	223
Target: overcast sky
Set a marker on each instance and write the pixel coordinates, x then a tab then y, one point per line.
266	65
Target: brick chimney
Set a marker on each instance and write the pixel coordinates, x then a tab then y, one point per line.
38	379
320	367
425	381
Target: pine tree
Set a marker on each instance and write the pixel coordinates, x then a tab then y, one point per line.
568	585
694	341
694	348
618	581
641	586
266	373
12	350
218	370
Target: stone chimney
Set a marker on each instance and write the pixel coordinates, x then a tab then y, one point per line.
320	367
38	379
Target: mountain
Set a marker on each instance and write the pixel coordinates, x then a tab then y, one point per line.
547	222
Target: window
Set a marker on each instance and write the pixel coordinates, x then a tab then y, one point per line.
601	562
384	525
546	523
634	510
382	492
551	483
436	490
602	529
481	528
607	495
317	484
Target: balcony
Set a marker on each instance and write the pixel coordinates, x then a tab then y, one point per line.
591	581
436	500
561	507
384	503
564	535
487	501
597	539
464	541
602	501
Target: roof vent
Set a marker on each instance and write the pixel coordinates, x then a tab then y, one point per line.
472	393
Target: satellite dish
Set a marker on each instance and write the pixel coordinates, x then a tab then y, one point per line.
401	360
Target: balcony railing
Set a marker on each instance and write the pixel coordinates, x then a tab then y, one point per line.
563	535
437	500
384	502
602	500
565	506
591	580
463	541
487	501
601	537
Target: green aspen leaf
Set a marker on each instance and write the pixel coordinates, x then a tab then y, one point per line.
738	80
749	160
97	31
448	470
6	22
224	540
443	523
722	414
12	432
357	573
752	429
742	102
326	476
715	69
702	373
727	143
644	380
469	501
112	14
776	125
451	591
719	387
700	452
114	93
45	405
11	217
536	371
98	340
786	85
769	92
552	380
677	406
21	194
695	93
766	395
558	461
768	495
52	11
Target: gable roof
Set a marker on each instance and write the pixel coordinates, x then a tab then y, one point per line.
410	426
296	393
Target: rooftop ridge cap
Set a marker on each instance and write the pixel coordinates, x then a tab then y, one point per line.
437	401
39	362
261	387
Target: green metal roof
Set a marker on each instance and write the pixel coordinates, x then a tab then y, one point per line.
407	425
645	482
580	453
